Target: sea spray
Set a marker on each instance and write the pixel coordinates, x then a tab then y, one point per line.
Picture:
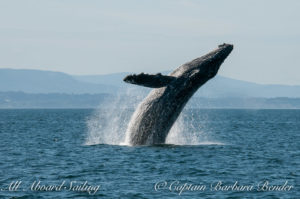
109	122
186	132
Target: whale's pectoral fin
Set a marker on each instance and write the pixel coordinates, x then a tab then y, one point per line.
152	81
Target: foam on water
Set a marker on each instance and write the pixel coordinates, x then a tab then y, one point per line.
109	122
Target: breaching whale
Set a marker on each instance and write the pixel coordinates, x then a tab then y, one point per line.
155	115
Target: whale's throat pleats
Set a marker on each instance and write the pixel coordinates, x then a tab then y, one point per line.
147	80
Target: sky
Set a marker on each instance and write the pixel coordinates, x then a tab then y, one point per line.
89	37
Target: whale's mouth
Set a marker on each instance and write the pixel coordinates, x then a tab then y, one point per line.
210	63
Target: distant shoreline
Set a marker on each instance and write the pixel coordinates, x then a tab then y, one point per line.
21	100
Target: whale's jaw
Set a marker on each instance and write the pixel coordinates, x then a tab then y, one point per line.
155	115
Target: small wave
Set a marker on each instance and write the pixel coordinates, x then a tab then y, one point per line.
112	144
198	144
211	143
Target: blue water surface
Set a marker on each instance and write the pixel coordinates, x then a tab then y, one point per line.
46	147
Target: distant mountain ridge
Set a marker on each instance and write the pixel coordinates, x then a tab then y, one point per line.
37	81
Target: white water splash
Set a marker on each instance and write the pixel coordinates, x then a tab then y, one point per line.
184	132
109	123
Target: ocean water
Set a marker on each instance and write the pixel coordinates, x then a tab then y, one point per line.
80	153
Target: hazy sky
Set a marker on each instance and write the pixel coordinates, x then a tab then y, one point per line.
98	37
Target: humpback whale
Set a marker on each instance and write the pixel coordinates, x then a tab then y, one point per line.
155	115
